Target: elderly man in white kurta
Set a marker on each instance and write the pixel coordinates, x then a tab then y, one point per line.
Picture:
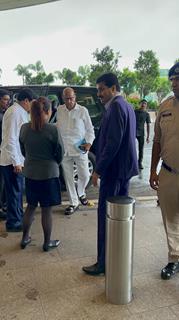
77	132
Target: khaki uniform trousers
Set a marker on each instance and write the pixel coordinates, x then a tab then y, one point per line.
168	193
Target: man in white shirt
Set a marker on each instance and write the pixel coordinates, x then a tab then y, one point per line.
77	132
4	104
11	159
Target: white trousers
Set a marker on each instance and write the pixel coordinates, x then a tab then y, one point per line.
83	176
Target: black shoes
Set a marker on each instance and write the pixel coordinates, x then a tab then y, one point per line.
70	210
51	245
94	269
83	200
170	270
46	247
24	243
14	229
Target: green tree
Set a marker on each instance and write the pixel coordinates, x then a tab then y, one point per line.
37	67
67	76
127	81
70	77
147	71
163	87
83	74
107	61
177	60
49	78
24	72
57	74
40	76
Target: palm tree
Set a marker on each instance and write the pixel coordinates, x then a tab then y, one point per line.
24	72
37	67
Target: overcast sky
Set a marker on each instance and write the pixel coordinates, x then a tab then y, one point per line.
65	33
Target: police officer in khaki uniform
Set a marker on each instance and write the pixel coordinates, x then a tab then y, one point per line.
166	148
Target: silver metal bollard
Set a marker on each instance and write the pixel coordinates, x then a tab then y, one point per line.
119	249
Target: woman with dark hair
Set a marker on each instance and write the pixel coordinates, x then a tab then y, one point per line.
42	147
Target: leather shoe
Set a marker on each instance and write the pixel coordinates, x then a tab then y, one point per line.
24	243
170	270
51	245
94	269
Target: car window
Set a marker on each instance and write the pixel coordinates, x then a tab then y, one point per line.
55	102
87	100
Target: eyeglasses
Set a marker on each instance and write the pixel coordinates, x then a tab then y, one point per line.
68	98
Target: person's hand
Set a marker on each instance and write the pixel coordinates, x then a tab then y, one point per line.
95	178
154	180
17	169
86	146
147	140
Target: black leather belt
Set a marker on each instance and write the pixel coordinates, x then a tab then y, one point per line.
169	168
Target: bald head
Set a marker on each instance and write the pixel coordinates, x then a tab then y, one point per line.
69	98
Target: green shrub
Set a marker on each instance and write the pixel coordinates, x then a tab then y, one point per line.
134	102
151	105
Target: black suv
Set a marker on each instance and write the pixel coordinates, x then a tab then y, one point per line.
86	96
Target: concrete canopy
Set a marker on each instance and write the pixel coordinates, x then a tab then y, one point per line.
13	4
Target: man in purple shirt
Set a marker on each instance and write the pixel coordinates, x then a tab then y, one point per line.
116	158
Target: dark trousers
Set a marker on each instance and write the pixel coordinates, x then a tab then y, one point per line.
14	192
2	190
108	188
141	148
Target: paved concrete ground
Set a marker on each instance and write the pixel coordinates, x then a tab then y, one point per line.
51	286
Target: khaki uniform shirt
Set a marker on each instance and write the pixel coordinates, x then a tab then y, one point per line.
167	132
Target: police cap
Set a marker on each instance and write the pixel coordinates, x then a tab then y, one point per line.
174	71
